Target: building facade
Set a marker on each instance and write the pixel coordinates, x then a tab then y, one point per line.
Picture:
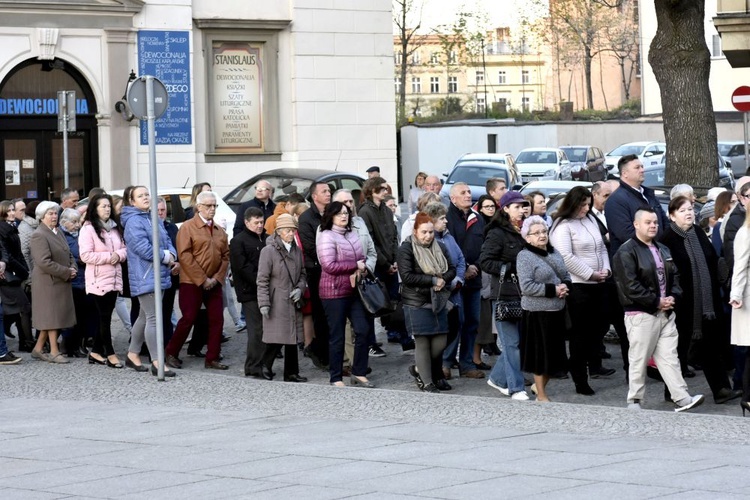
252	86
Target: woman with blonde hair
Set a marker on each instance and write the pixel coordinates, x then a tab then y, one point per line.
197	189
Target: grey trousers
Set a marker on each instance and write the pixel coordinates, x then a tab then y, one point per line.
145	326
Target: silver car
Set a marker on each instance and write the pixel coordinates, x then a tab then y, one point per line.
733	153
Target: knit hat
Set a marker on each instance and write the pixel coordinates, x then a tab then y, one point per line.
513	197
285	220
707	211
713	193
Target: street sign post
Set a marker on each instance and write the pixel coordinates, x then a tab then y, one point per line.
66	122
148	100
741	102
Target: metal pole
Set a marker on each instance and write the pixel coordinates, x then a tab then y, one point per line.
150	116
66	166
745	117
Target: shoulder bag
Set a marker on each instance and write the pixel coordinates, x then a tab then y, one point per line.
508	306
374	295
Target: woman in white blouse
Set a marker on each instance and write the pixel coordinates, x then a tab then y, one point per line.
576	235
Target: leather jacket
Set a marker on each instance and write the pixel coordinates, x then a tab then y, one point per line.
635	274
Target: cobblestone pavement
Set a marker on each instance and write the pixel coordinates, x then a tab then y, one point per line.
88	431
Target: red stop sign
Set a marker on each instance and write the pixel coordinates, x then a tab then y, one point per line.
741	99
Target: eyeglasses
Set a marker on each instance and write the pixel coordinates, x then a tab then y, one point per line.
489	207
543	232
209	205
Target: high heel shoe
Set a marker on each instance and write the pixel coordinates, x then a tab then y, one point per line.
364	383
745	405
93	360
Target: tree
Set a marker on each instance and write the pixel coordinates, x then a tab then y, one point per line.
622	44
407	17
584	22
681	63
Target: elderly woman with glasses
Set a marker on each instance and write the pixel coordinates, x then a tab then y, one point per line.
52	306
544	283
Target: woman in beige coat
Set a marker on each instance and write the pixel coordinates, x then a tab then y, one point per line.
740	302
281	283
51	292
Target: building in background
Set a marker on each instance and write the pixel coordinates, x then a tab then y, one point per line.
253	86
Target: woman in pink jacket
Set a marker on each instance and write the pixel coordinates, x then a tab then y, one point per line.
102	249
342	260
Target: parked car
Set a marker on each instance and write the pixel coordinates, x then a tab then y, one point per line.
655	175
295	180
733	153
553	188
501	158
476	174
650	153
537	164
586	163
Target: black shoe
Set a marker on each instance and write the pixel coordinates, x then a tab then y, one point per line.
417	378
173	361
26	347
224	339
93	360
726	394
482	366
138	368
376	352
408	346
443	385
279	355
584	389
266	373
82	352
688	373
155	372
601	372
10	335
496	350
431	388
606	355
9	359
111	364
308	353
295	378
214	365
196	354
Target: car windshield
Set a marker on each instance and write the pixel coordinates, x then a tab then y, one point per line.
476	176
576	154
537	157
625	150
281	186
724	149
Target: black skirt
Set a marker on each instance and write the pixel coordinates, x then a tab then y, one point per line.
543	342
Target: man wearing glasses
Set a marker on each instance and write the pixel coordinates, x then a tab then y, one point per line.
263	200
203	253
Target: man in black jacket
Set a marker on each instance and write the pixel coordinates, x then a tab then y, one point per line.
263	200
244	255
627	199
648	286
309	221
468	229
379	220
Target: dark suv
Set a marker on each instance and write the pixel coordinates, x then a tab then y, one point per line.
586	163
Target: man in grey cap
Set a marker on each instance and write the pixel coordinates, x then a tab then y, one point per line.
373	171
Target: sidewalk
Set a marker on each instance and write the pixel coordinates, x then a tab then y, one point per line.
84	431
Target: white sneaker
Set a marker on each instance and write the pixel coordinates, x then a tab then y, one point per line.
520	396
504	391
694	402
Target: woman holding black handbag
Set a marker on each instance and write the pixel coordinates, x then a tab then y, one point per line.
426	274
544	282
502	243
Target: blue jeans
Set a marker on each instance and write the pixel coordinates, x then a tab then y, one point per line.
3	344
337	310
507	370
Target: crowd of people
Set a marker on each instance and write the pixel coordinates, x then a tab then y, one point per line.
540	291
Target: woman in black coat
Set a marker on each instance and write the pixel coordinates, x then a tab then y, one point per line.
15	303
699	313
502	243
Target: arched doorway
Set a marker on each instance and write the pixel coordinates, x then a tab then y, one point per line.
30	145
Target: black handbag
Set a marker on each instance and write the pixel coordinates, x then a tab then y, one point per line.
508	307
374	295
